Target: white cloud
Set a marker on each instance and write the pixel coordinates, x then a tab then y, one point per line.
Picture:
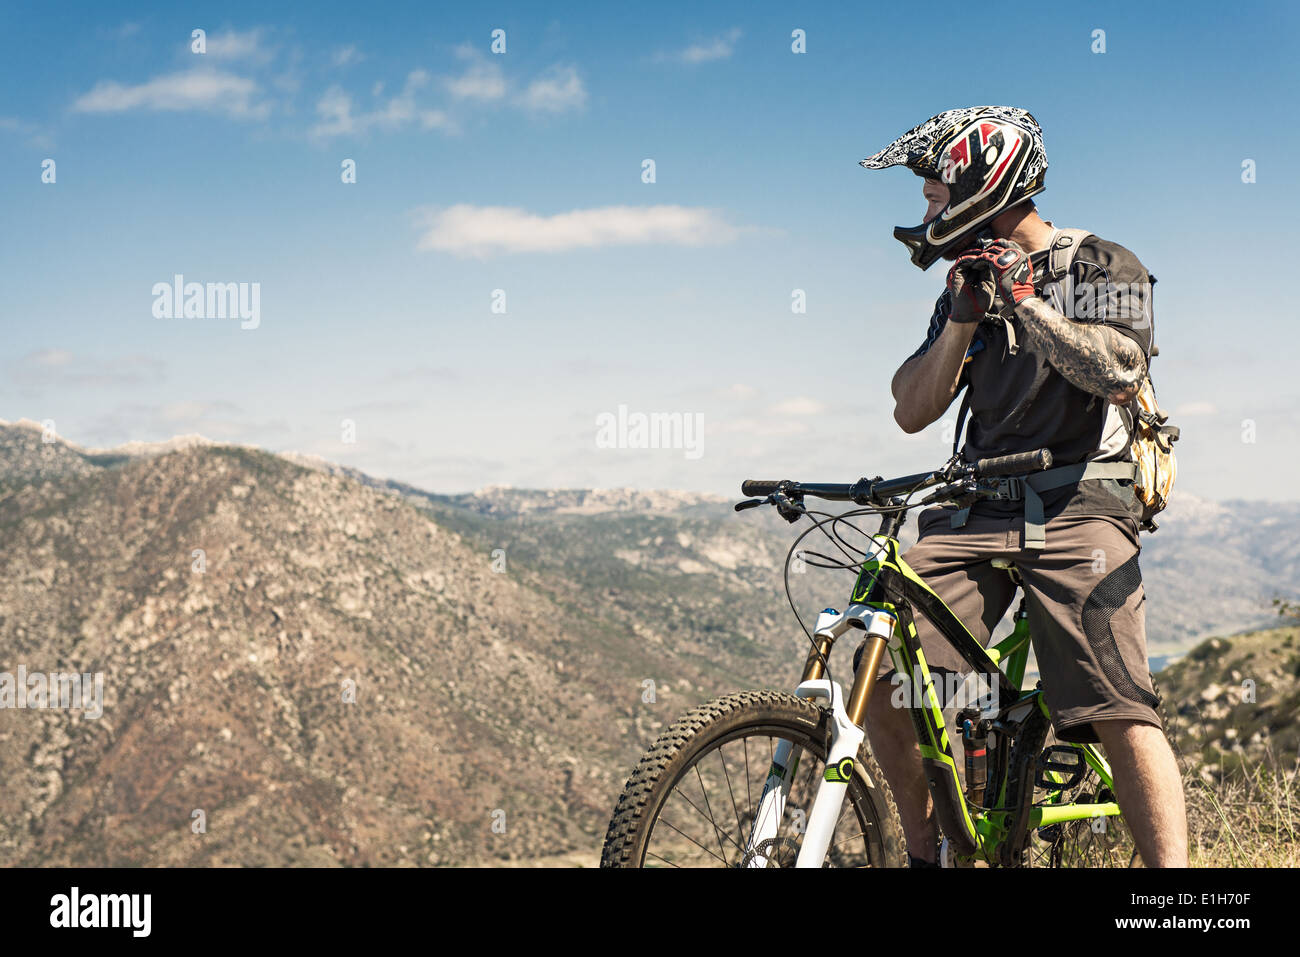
49	357
799	405
34	136
193	411
196	89
720	48
335	111
483	79
764	427
435	120
207	85
233	45
60	369
558	89
481	231
336	116
346	56
1195	408
738	390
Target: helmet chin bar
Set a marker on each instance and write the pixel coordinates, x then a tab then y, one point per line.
924	255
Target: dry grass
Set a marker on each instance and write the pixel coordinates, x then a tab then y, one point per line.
1249	817
1240	758
1243	812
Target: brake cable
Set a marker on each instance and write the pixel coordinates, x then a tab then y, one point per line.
817	525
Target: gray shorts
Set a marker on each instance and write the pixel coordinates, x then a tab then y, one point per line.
1085	600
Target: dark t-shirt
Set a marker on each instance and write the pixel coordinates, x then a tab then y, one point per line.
1019	403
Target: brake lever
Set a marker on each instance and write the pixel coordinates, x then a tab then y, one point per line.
789	508
961	493
953	468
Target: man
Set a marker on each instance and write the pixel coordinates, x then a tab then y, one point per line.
1040	373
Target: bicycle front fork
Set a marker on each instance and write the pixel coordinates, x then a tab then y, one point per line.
848	722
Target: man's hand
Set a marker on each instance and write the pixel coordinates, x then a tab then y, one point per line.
1008	267
970	287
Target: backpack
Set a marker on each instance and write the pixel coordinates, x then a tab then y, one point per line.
1151	437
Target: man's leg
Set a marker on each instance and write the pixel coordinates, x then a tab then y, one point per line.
1149	789
893	742
1087	614
955	563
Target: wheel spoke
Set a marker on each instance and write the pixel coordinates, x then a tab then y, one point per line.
650	853
749	795
717	831
730	791
694	841
703	815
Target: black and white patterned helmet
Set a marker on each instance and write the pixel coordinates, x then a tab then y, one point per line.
991	158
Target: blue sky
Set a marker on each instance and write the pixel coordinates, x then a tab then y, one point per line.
522	172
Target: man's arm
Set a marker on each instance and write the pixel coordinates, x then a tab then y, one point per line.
1095	358
924	386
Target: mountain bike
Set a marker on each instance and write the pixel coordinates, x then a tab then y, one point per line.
774	779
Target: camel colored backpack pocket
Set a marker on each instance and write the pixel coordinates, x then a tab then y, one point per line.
1152	449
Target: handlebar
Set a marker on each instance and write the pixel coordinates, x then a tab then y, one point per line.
879	491
1021	463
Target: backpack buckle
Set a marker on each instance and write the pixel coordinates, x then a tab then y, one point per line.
1009	489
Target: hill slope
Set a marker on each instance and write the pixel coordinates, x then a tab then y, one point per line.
1231	700
509	654
476	691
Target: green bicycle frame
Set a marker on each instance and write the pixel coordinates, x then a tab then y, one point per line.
998	830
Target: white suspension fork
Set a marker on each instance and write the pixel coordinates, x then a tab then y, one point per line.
776	789
840	759
820	825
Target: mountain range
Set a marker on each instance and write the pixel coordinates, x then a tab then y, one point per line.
303	664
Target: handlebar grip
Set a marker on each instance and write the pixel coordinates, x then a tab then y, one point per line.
1021	463
759	486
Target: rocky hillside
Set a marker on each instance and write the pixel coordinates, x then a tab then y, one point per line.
30	454
1211	569
1233	701
329	674
1214	569
336	669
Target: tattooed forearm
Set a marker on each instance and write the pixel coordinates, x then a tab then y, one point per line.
1095	358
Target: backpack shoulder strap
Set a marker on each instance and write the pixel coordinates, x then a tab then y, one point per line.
959	517
961	419
1065	246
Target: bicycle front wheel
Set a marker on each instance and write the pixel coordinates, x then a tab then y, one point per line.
695	798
